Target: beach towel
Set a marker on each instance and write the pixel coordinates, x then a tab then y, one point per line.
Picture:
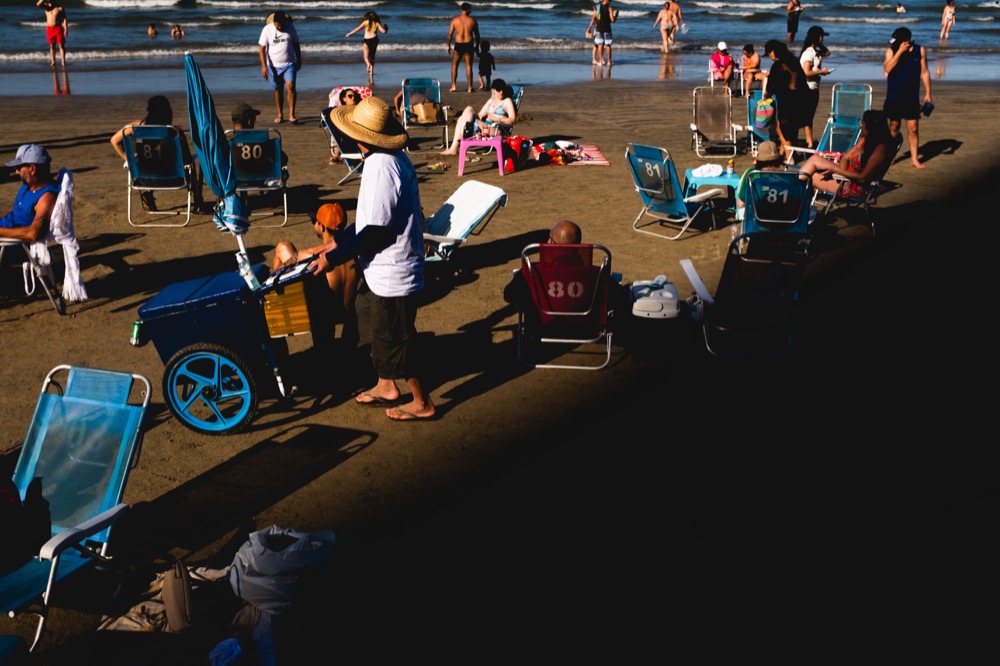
61	231
567	153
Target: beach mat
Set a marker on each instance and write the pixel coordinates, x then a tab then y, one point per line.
596	157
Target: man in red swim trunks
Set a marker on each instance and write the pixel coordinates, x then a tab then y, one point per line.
56	29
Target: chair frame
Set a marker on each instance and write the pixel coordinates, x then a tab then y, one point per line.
758	216
596	308
35	273
664	164
701	144
352	156
409	121
743	307
181	179
247	183
94	410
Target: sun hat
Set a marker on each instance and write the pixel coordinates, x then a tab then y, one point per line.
767	151
330	215
722	46
244	110
370	121
29	153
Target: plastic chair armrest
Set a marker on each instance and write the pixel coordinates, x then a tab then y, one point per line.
74	535
704	195
444	240
696	281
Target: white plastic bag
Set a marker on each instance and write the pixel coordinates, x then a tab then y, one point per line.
268	566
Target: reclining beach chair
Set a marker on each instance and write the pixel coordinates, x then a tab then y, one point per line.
257	161
347	147
825	202
655	177
467	211
434	116
83	441
569	293
156	161
713	133
37	269
777	201
751	312
849	101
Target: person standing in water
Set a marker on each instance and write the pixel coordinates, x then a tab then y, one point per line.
56	29
372	25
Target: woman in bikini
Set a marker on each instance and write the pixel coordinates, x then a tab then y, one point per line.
372	25
947	19
859	165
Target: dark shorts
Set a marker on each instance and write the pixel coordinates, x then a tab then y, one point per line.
372	45
793	22
901	110
809	105
464	49
393	332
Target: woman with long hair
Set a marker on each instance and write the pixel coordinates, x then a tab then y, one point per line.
811	59
859	165
372	25
787	82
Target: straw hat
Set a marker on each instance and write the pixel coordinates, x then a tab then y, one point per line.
370	122
767	151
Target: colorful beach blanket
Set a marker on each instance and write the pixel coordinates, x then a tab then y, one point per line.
560	153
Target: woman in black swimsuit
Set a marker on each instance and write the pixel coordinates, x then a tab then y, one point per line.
372	25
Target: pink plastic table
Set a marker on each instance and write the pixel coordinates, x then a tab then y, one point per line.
495	141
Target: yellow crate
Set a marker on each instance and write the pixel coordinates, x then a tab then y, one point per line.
286	310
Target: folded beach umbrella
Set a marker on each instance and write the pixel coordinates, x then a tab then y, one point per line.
214	155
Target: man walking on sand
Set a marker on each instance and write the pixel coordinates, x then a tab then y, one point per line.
464	30
56	29
905	69
280	61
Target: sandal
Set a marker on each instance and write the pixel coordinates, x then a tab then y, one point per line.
439	166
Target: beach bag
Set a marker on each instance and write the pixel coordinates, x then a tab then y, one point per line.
269	566
516	150
176	595
763	116
427	112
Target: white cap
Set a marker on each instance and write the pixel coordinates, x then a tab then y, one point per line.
722	46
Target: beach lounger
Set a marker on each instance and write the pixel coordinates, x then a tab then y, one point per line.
155	160
713	133
655	177
340	143
467	211
750	314
83	441
849	101
257	161
569	292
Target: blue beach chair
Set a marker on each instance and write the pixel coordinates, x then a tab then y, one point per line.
257	161
156	161
83	441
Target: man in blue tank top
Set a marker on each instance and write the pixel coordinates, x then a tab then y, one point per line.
28	219
905	69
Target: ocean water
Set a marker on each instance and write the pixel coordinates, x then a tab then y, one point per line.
534	41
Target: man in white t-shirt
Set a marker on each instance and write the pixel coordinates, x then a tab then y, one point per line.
388	241
280	60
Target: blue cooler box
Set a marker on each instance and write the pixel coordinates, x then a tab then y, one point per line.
218	309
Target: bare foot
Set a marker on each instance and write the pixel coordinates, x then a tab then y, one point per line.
279	120
411	412
917	164
452	89
469	90
448	152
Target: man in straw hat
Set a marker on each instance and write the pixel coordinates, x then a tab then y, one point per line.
387	239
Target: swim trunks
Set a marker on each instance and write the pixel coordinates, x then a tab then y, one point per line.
279	75
54	34
464	48
372	44
602	38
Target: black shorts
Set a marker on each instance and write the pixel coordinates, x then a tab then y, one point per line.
901	110
464	48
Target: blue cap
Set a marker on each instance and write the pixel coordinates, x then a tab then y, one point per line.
29	153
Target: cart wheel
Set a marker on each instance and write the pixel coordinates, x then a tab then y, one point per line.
210	389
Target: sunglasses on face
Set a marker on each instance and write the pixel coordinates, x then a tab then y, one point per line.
350	96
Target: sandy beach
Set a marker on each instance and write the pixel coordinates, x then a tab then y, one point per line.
575	512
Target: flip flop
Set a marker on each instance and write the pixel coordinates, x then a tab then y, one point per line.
400	414
278	121
373	400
